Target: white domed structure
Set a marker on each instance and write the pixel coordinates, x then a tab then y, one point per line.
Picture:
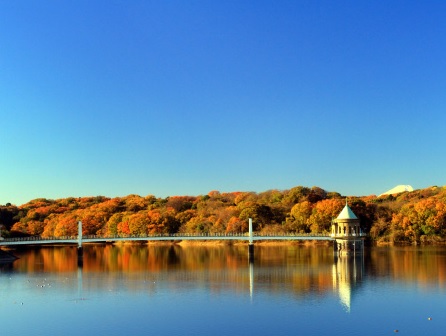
347	232
346	224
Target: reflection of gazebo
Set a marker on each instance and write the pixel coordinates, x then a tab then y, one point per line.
347	276
347	232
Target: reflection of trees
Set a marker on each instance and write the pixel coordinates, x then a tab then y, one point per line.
423	265
298	269
292	269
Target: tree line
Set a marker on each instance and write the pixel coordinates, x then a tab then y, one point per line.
408	217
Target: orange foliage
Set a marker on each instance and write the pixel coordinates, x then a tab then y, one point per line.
323	213
123	228
236	225
418	216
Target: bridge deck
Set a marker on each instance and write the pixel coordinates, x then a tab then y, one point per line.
97	239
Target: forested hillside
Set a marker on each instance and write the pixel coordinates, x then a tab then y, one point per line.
409	217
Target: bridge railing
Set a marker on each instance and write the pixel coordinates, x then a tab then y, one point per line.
166	235
38	238
173	235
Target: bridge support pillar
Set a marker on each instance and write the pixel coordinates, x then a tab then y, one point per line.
251	243
80	256
80	249
251	252
79	234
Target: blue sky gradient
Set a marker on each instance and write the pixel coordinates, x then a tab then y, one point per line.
183	97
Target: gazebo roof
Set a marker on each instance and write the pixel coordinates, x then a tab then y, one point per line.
347	213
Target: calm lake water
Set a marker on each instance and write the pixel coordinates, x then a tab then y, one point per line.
215	290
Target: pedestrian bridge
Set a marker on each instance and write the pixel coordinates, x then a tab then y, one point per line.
250	237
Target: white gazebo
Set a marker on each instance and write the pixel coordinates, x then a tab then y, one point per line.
347	231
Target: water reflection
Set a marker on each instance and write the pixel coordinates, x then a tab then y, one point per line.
296	271
348	272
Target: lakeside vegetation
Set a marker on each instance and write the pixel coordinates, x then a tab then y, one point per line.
409	217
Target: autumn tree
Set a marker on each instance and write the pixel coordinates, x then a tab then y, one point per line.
420	221
184	217
135	203
222	217
323	213
138	223
316	194
198	224
162	221
417	216
180	203
381	226
112	225
271	197
296	195
298	221
237	225
8	216
261	215
66	224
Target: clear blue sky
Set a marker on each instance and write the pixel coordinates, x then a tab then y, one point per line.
183	97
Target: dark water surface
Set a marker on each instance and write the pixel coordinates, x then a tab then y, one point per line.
215	290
